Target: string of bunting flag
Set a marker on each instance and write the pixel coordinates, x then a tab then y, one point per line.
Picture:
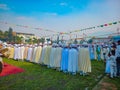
62	33
24	26
99	26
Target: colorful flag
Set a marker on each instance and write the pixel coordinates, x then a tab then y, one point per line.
114	22
110	23
105	24
101	25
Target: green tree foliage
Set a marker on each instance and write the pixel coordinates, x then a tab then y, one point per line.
81	42
5	36
17	39
1	34
29	41
10	35
42	40
75	41
35	40
90	41
48	39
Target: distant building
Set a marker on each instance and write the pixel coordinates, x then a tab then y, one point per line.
115	38
101	40
25	36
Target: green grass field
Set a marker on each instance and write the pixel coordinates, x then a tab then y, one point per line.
38	77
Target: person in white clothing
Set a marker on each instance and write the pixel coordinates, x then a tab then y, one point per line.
113	66
105	52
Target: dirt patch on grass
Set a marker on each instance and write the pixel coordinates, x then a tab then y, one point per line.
104	85
107	86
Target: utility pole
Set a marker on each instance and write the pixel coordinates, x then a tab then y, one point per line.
62	37
84	36
70	36
118	31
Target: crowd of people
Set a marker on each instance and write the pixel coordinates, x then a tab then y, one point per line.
67	58
112	59
110	54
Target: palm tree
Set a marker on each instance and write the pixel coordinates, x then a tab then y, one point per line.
29	41
18	39
42	40
35	40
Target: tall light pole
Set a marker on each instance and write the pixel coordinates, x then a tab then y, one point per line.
58	38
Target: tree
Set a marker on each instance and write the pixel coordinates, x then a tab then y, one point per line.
10	35
75	41
18	39
90	41
1	35
81	42
35	40
57	39
5	36
39	40
48	39
30	41
42	40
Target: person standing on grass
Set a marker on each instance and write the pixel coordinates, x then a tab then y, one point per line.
1	64
1	61
117	55
98	51
113	68
105	52
107	67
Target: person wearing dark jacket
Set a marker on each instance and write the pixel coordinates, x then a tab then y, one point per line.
117	55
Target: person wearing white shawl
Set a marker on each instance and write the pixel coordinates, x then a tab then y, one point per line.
22	49
16	57
64	59
58	54
47	55
19	52
95	51
91	51
38	54
11	52
34	54
73	60
26	52
84	63
29	53
42	54
52	59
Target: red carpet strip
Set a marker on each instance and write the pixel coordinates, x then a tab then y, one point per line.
10	69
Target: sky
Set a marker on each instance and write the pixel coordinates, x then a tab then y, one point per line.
60	16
